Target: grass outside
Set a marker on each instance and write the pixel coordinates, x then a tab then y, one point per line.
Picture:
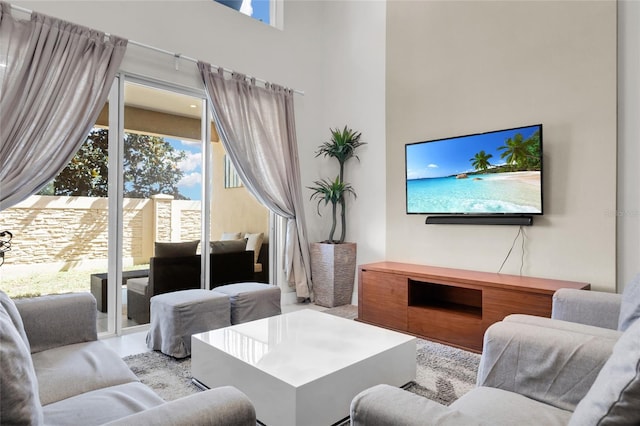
53	282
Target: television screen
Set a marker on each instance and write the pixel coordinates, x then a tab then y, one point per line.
497	172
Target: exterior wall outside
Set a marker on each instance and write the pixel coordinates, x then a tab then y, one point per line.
71	232
234	209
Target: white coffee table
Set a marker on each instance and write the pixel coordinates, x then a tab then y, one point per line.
303	367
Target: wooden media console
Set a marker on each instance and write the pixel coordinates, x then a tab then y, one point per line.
452	306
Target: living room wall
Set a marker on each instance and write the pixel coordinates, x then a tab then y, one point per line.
455	68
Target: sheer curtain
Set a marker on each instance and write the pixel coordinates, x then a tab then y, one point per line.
257	129
54	80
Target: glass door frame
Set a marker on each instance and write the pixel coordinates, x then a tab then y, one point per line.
116	191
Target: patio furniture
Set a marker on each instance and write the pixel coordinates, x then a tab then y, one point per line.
168	274
99	285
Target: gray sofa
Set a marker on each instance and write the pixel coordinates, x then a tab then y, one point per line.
528	375
581	367
54	371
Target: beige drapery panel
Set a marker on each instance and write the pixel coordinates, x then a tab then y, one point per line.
257	129
54	80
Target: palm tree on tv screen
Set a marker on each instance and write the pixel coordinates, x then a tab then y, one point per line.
480	161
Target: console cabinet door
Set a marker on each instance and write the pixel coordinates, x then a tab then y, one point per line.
385	299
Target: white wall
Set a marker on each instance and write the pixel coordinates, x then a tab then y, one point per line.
628	211
455	68
353	77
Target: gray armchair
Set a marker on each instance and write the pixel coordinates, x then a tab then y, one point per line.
592	312
528	375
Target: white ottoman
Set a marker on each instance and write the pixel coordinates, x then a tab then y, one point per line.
251	301
175	316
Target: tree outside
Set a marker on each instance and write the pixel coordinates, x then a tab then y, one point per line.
150	167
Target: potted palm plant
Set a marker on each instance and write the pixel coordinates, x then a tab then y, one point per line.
333	262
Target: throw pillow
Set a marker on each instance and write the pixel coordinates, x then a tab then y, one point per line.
630	306
15	317
614	397
254	242
226	236
229	246
20	402
188	248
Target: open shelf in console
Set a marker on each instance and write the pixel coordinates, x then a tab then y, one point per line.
466	301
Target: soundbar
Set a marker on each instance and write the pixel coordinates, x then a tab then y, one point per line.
479	220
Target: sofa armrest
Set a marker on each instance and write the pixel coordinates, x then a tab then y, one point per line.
587	307
58	320
220	406
385	405
550	365
563	325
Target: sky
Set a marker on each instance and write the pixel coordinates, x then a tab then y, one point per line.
191	183
446	157
258	9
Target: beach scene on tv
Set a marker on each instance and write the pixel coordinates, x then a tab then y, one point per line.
495	172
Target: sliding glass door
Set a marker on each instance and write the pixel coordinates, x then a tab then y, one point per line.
162	187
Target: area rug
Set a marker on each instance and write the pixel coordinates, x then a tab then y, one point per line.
443	373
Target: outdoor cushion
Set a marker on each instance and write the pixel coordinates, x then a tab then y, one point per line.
139	285
614	397
188	248
19	402
228	246
630	305
72	364
254	242
102	405
230	236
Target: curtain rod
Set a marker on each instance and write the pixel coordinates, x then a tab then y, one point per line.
166	52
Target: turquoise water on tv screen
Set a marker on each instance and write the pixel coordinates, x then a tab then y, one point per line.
515	192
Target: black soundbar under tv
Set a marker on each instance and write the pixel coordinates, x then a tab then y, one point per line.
479	220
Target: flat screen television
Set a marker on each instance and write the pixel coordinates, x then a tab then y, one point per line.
492	173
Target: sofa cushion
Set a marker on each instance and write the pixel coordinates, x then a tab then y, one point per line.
614	397
19	401
13	313
630	304
254	242
102	405
498	407
188	248
228	246
70	370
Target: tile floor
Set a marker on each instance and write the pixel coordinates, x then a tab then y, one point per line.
135	343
